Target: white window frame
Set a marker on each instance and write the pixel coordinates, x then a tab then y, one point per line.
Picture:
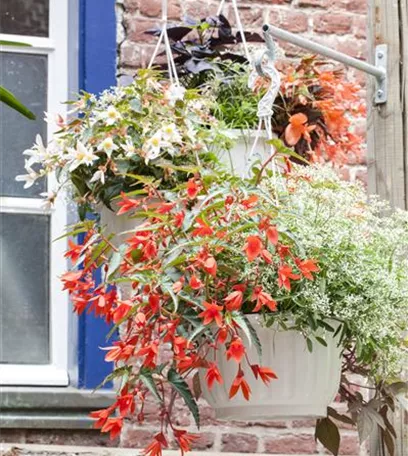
55	47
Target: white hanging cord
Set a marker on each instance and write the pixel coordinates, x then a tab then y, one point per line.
241	30
221	7
170	59
248	158
156	49
164	39
239	25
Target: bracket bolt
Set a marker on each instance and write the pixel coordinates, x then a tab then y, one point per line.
380	55
380	93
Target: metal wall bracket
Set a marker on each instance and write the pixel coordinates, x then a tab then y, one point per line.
381	58
379	70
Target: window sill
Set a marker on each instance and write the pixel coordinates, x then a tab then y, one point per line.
50	408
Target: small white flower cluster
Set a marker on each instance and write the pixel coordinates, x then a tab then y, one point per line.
124	131
363	260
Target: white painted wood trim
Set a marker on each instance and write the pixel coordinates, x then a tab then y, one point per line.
33	375
56	47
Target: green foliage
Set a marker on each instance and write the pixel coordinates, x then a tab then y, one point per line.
328	435
236	104
180	385
10	100
6	96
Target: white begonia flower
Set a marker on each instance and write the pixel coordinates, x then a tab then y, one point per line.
108	146
128	147
174	92
49	200
153	146
111	116
56	119
81	155
28	178
38	153
98	176
171	133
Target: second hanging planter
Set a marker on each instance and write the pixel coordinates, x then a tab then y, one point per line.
307	381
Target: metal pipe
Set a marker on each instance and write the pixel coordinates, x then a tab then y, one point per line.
269	30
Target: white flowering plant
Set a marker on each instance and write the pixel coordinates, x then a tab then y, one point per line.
361	285
148	132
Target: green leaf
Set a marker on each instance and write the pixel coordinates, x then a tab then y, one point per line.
283	150
389	441
136	105
189	169
338	417
14	103
325	326
174	260
147	379
199	330
389	427
186	298
366	420
328	435
141	179
250	332
115	261
173	296
119	372
13	43
321	341
75	232
180	385
309	344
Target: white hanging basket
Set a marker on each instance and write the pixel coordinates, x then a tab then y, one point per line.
119	225
307	382
237	158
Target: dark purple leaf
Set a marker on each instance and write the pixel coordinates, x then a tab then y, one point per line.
180	48
224	21
233	57
177	33
224	31
221	41
202	52
250	37
196	66
181	59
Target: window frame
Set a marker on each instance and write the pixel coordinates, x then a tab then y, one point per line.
55	47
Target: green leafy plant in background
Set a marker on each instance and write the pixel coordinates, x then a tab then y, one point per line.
7	97
237	104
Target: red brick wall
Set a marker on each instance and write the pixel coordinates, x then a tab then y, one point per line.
340	24
337	23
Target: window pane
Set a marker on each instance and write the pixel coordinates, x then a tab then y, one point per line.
26	76
24	17
24	289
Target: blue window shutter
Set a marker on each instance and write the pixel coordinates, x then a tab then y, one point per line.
97	72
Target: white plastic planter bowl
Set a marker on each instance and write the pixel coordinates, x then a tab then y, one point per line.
236	158
307	382
120	224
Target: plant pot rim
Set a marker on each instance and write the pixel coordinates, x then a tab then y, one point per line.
251	132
